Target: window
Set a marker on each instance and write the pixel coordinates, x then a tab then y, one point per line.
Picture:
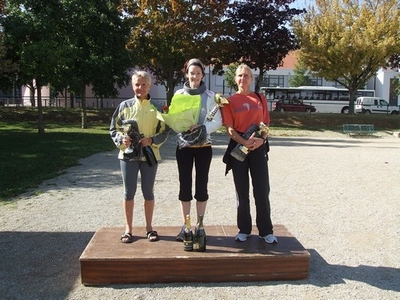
273	80
316	81
383	103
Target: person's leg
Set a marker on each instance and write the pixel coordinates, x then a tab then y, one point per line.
128	211
201	207
148	213
148	177
129	171
241	180
202	163
184	159
260	180
185	209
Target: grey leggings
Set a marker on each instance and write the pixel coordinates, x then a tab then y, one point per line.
130	171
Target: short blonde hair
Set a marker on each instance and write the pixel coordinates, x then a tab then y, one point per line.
142	74
244	67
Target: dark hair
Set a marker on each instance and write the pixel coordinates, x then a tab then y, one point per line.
194	62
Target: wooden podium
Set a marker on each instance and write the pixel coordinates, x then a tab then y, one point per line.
108	261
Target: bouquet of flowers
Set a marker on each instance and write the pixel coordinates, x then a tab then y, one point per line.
183	112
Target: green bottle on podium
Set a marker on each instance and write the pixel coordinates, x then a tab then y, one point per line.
200	238
188	235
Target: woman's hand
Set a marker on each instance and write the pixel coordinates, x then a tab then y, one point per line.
254	142
126	141
146	141
191	128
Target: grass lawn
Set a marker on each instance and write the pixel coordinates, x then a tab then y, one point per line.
27	158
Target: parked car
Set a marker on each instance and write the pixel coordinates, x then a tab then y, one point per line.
292	105
368	105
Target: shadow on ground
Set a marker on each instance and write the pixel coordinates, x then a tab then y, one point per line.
40	265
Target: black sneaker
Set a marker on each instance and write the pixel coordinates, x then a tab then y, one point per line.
179	237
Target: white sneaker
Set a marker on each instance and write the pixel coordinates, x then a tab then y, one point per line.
269	238
242	237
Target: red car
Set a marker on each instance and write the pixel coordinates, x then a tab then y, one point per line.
292	105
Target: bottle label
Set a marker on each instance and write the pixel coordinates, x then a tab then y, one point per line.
196	246
244	149
202	244
187	245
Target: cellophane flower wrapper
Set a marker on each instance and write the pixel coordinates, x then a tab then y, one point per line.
183	112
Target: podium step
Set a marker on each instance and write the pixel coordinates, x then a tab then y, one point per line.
108	261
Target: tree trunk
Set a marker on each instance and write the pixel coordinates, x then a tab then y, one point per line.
259	80
84	115
40	109
31	87
170	91
352	96
71	98
65	98
170	94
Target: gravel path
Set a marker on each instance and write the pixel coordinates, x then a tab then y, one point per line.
339	196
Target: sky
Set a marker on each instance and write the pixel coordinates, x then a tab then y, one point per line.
300	4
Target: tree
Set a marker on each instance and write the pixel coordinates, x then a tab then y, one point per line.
396	85
260	36
33	44
168	33
96	35
68	44
347	41
5	64
300	75
230	76
394	63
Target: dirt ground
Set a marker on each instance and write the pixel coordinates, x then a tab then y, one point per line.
339	196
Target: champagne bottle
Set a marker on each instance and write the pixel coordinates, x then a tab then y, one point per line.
149	154
188	235
199	236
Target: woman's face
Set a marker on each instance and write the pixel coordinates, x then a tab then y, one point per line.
243	79
141	87
195	75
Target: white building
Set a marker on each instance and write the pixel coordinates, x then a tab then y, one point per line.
381	83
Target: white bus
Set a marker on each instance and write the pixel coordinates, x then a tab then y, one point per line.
325	99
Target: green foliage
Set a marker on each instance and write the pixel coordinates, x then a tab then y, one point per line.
168	33
394	62
260	36
349	40
230	76
68	44
300	76
6	66
396	85
97	36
